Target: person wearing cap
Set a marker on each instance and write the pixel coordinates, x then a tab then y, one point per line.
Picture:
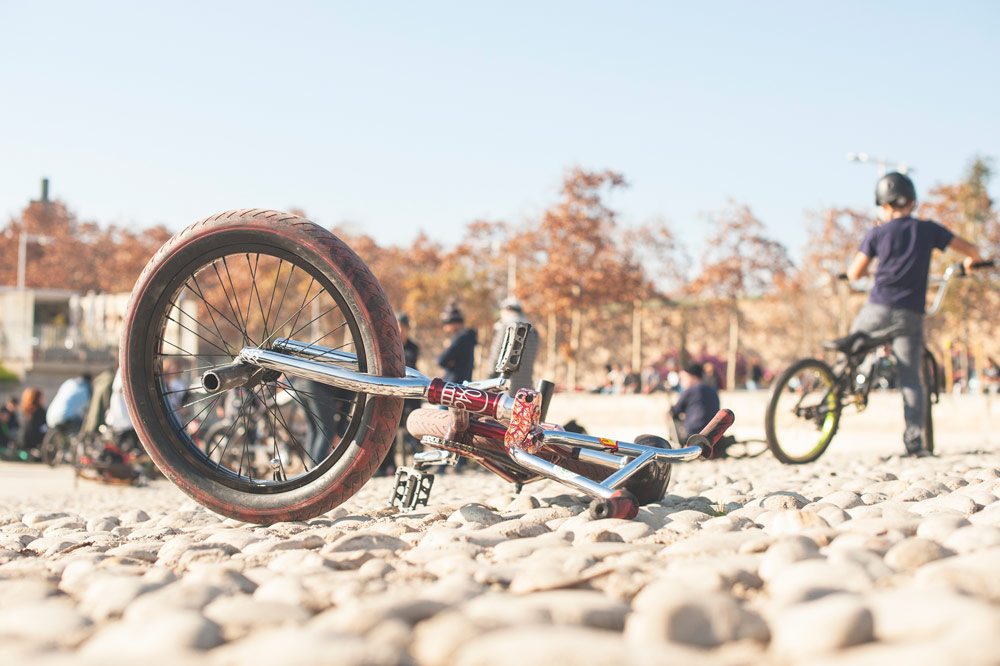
460	347
511	311
698	402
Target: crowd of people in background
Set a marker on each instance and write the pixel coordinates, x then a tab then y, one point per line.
82	404
665	375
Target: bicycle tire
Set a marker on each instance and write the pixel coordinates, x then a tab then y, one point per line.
930	379
831	420
50	447
345	280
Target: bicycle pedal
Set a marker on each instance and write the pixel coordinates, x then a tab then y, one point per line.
412	488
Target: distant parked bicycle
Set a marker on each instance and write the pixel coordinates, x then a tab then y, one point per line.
808	398
59	447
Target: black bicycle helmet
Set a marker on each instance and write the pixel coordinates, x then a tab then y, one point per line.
895	189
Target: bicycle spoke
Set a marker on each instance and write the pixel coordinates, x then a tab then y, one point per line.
200	293
253	278
314	319
200	337
311	413
270	300
291	435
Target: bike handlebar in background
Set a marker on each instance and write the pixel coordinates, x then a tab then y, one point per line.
986	263
954	270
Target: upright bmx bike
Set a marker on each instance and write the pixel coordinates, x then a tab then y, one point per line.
808	399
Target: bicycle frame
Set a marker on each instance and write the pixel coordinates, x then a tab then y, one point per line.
623	459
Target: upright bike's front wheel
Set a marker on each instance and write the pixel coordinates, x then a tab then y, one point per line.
803	412
248	278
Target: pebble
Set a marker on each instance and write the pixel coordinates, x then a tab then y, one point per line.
164	638
832	623
785	551
915	552
703	620
238	615
52	620
972	538
975	574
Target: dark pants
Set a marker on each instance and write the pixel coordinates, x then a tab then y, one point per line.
326	412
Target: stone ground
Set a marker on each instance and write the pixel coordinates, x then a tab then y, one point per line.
861	559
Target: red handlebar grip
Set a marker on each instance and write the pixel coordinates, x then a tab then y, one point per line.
718	426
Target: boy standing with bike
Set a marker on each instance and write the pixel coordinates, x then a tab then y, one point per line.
903	245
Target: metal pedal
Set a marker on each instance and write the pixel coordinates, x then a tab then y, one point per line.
412	488
511	347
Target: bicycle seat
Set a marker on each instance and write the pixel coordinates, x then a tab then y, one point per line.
855	342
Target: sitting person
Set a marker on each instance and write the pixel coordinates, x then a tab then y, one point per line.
33	426
699	402
69	405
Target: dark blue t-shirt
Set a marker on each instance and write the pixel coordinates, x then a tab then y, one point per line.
698	404
903	247
458	357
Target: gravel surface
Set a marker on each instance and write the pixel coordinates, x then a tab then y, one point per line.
861	560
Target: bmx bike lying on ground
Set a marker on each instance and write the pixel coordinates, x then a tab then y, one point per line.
809	397
272	304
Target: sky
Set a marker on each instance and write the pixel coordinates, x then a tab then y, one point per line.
397	117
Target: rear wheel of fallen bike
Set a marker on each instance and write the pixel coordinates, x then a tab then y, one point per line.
245	279
803	412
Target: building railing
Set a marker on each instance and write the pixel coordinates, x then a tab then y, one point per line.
51	343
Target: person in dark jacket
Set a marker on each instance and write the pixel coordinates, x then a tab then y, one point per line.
698	403
459	354
397	454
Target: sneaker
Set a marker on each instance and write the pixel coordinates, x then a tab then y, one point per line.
918	453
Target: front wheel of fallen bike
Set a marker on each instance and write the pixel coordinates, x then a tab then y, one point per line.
803	412
245	279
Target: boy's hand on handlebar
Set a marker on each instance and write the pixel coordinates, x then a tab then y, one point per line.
971	263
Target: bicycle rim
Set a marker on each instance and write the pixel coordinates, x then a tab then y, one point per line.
804	413
251	294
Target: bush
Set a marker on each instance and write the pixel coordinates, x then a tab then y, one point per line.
7	375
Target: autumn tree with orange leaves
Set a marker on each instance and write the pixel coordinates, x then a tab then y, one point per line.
76	255
740	262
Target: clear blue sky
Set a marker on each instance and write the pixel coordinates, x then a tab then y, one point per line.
399	116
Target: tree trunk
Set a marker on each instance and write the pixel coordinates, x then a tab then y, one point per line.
734	348
682	355
574	349
550	353
637	335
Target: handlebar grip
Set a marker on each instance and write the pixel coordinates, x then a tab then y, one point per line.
988	263
843	277
713	432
